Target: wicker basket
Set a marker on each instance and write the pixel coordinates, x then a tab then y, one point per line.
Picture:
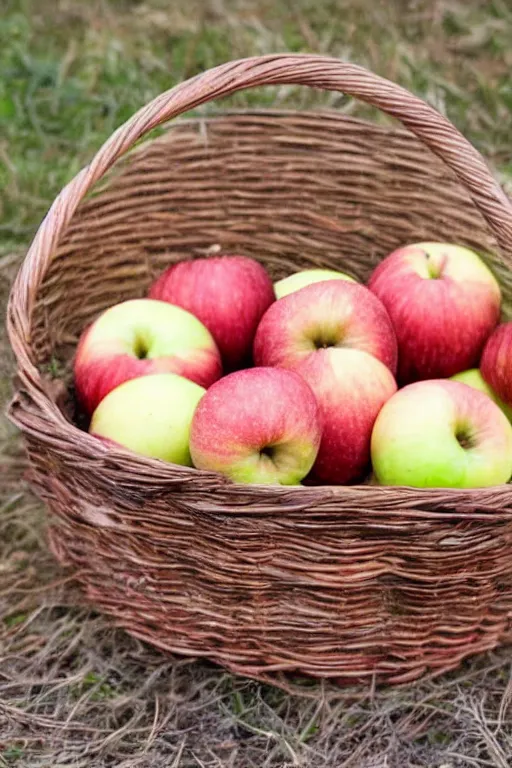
344	582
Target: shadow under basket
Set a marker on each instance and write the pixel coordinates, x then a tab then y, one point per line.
352	583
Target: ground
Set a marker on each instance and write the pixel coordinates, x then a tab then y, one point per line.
74	691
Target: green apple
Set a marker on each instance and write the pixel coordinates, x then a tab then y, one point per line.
441	434
473	378
307	277
150	415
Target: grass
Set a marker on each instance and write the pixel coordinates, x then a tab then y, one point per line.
71	72
73	690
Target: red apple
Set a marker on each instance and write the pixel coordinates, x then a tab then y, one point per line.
351	387
259	425
334	313
496	363
141	337
229	294
443	301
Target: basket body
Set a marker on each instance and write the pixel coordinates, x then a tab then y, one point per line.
350	583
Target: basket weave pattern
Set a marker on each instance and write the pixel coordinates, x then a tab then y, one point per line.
344	582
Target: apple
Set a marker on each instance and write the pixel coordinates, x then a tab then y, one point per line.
443	301
139	337
334	313
259	425
308	276
351	387
473	378
151	415
229	294
496	362
441	434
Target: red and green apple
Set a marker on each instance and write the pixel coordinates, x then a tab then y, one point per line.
332	314
259	425
441	434
140	337
496	363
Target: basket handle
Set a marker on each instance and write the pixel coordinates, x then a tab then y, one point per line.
434	130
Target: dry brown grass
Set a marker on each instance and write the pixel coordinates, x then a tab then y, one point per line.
73	690
76	692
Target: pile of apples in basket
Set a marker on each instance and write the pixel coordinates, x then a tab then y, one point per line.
315	379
